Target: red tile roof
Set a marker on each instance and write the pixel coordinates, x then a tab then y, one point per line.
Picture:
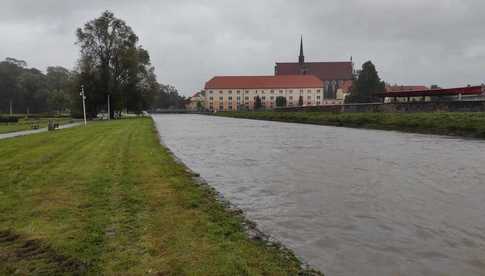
197	94
264	82
324	70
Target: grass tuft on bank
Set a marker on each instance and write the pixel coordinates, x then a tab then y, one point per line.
444	123
109	199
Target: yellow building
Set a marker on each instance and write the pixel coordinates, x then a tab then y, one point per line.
196	102
232	93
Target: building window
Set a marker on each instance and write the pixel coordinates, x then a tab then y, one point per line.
318	102
318	91
229	98
318	97
247	98
272	97
272	91
291	97
291	91
211	98
281	91
220	92
239	92
309	91
230	91
247	92
210	92
309	97
263	98
221	98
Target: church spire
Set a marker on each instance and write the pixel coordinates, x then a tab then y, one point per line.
301	58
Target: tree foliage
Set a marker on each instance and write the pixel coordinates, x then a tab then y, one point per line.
59	80
367	85
28	90
257	103
112	63
280	101
168	98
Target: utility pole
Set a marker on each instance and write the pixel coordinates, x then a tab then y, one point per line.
83	97
109	108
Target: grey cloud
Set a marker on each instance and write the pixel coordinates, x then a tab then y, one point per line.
410	41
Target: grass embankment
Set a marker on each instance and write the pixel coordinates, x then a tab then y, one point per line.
445	123
27	123
109	199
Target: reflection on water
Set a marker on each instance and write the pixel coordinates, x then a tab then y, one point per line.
349	201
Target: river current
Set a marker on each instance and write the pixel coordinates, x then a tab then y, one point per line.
348	201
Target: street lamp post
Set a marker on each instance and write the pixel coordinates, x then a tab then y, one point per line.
83	97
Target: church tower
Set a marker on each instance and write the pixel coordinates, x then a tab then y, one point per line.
301	58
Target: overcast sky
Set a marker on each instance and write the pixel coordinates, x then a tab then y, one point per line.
409	41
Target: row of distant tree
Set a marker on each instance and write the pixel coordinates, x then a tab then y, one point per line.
111	66
28	90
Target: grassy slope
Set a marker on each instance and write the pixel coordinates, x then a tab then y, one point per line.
24	124
109	199
462	124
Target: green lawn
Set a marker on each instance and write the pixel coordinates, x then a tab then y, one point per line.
446	123
26	124
108	199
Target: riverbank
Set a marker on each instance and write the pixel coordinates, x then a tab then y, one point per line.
442	123
109	199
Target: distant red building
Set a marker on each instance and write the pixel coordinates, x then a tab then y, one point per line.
422	93
399	88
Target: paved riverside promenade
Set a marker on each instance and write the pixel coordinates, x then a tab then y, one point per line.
28	132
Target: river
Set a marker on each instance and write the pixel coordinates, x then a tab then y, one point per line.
348	201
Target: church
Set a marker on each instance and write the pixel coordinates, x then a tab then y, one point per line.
336	76
300	83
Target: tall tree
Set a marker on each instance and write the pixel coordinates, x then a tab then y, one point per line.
367	85
112	64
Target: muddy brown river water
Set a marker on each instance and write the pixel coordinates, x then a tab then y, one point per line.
347	201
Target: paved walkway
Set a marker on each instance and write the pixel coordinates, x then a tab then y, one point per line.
28	132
